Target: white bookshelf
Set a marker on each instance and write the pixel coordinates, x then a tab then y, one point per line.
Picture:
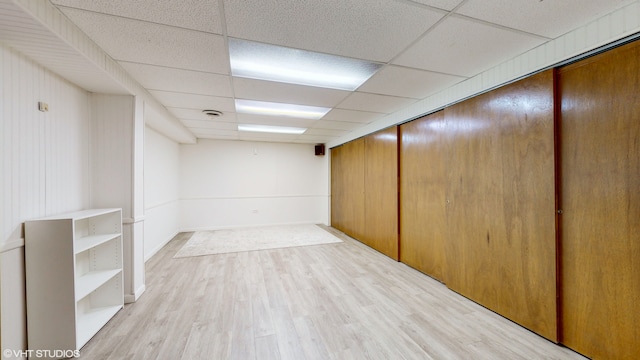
74	277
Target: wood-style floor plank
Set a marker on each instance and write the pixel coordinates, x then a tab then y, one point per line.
333	301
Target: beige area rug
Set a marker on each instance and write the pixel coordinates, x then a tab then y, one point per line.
258	238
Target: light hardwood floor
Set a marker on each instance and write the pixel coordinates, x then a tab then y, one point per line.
333	301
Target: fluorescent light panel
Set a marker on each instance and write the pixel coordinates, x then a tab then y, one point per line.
276	63
271	129
280	109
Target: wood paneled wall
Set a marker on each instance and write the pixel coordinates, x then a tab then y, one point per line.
364	190
423	184
482	184
381	192
600	157
347	188
477	198
501	203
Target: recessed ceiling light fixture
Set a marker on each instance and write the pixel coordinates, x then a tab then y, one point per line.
276	63
280	109
271	129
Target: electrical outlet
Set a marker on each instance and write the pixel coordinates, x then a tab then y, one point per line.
254	211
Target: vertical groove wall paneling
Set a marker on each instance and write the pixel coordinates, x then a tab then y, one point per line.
44	168
501	210
600	129
423	222
381	191
347	188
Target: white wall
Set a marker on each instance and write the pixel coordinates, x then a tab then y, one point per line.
44	168
161	191
226	184
117	159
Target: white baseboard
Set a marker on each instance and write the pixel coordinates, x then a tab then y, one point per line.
131	298
229	227
159	247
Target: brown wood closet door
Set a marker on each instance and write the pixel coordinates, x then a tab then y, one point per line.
337	188
501	193
600	142
347	199
423	221
381	191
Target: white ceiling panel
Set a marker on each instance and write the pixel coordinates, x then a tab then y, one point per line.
287	93
220	132
258	136
441	4
335	125
196	114
273	120
464	47
191	101
203	15
218	137
148	43
314	138
545	18
211	124
325	132
407	82
372	30
364	117
177	50
375	103
154	77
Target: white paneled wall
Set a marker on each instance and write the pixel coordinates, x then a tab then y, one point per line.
111	152
117	159
227	184
44	168
161	191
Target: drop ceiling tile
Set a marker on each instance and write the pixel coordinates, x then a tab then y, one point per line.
148	43
187	81
364	117
195	125
201	132
273	120
314	138
196	114
464	47
335	125
192	101
408	82
325	132
287	93
375	103
257	136
203	15
372	30
441	4
218	137
545	18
